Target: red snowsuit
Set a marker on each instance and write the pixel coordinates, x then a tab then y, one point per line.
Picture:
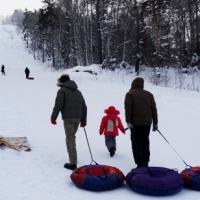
110	123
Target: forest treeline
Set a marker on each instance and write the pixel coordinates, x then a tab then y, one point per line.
108	32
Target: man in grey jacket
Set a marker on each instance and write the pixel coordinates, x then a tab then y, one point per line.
70	102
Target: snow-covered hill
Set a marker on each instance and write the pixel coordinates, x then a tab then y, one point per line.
25	109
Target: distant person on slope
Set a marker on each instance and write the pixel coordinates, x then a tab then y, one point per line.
110	124
140	111
3	70
71	104
27	72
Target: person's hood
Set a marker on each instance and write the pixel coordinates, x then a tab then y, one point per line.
69	84
111	110
138	83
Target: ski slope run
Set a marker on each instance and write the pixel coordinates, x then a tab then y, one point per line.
25	109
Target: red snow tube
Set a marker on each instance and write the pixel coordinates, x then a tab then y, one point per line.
97	177
191	177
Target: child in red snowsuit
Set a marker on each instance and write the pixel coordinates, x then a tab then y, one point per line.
110	124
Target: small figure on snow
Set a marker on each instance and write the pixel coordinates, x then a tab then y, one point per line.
140	111
110	124
27	72
3	70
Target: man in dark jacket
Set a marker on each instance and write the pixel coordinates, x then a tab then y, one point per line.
71	104
140	111
27	72
3	70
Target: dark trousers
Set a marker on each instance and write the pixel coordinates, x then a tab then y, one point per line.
27	75
110	142
140	145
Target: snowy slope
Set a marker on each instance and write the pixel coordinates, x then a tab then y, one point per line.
25	108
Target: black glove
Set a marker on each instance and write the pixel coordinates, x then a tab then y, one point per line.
83	123
155	127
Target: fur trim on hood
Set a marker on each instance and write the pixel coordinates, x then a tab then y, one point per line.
111	110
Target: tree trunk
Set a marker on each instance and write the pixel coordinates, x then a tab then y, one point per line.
99	36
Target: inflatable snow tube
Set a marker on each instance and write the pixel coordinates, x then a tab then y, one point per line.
191	177
155	181
97	177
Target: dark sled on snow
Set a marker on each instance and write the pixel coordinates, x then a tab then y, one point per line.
30	78
155	181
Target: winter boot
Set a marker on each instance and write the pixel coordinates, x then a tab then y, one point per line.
112	152
70	166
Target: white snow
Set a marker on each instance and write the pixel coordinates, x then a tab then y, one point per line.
25	109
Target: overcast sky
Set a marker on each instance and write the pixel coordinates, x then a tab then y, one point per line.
8	6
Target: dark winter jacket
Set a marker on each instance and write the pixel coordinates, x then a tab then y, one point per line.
110	123
140	107
2	68
69	102
27	71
